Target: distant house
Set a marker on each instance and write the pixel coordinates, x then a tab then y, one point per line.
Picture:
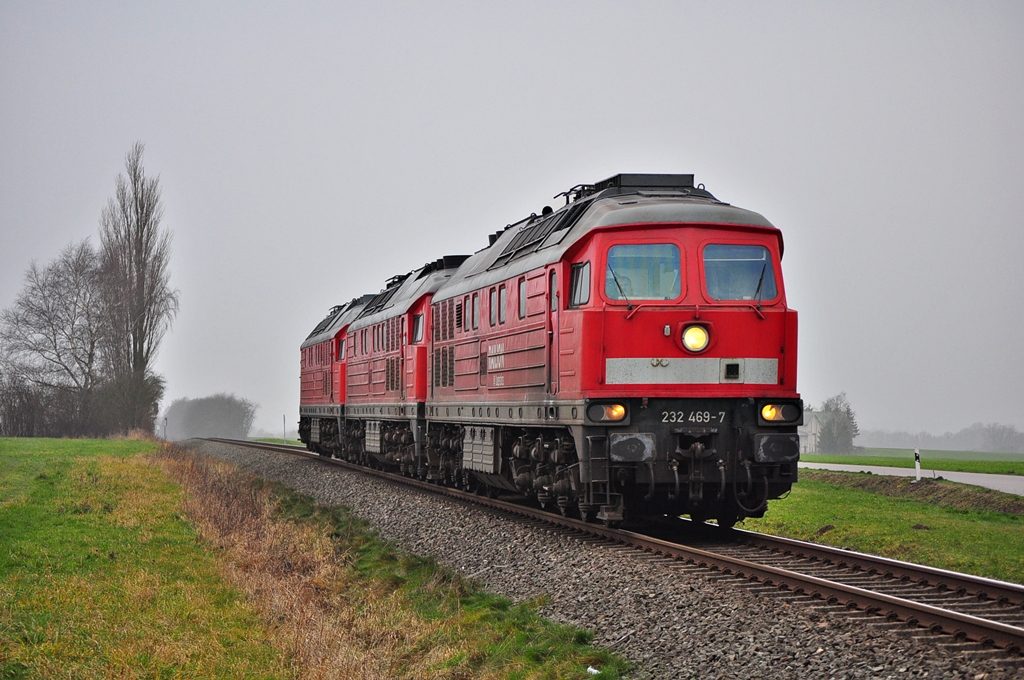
810	431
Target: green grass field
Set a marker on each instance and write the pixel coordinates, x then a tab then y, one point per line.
942	455
952	461
953	526
100	576
278	440
108	568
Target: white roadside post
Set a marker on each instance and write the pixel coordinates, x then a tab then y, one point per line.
917	465
284	430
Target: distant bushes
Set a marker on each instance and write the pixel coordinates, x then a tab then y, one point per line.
31	409
219	415
27	410
978	437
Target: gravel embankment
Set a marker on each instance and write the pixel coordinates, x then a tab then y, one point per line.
673	622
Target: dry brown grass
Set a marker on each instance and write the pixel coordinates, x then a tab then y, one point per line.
137	436
326	623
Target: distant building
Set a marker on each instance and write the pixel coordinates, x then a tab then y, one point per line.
810	431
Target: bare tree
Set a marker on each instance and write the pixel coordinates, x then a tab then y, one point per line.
52	340
139	302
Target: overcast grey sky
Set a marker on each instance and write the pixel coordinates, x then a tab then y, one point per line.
309	151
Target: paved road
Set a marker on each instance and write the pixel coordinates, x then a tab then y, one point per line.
1006	483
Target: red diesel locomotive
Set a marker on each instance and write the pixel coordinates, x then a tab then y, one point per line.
628	354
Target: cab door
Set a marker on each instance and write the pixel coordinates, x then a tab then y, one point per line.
553	331
403	340
339	371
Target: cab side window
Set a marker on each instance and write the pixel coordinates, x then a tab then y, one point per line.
522	298
580	285
553	290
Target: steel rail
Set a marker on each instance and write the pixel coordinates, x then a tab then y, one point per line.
936	619
1002	592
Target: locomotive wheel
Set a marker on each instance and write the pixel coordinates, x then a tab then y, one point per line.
727	522
729	515
568	509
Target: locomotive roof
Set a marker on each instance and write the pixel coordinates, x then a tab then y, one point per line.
336	319
404	290
623	199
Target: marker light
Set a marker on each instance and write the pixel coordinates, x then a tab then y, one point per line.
780	413
695	338
606	413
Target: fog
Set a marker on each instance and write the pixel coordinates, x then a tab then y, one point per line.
307	152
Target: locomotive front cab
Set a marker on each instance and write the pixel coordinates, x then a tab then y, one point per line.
691	408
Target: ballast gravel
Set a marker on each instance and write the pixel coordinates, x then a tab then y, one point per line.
672	622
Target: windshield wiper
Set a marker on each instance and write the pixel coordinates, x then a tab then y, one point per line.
617	285
760	281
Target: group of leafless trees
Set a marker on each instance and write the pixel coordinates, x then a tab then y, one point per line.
77	346
993	437
220	415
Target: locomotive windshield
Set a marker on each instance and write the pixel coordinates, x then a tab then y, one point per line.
734	272
643	272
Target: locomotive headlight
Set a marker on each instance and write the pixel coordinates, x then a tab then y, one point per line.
606	413
780	413
695	338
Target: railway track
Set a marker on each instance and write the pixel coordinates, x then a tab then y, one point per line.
967	610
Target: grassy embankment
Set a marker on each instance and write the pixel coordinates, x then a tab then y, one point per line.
952	461
109	568
943	524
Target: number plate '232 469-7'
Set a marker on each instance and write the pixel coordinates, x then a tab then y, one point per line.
692	416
